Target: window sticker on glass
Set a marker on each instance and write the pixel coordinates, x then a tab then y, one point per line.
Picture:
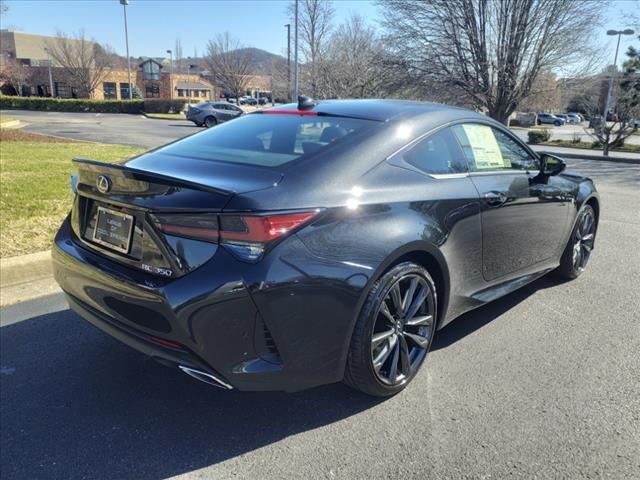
486	152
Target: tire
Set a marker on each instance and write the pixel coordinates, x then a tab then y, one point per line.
578	250
556	123
539	122
210	121
377	341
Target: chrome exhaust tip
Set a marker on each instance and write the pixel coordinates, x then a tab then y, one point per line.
205	377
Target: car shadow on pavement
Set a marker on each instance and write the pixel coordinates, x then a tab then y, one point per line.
77	404
476	319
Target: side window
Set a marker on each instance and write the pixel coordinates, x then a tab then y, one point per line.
490	149
515	153
438	153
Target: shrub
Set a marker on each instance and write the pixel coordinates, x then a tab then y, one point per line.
161	105
538	136
71	104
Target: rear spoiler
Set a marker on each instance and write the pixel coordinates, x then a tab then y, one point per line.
149	176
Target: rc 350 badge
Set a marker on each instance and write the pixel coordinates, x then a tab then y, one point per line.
157	270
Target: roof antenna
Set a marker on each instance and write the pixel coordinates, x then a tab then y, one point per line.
306	103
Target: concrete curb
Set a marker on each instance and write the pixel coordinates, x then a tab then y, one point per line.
585	156
11	124
26	277
165	119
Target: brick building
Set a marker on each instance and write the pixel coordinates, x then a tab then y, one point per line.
151	77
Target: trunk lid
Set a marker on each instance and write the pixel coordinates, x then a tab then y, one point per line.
119	208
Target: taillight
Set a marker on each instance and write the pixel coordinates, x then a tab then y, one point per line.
199	226
248	235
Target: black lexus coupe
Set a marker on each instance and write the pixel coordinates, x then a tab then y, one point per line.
318	241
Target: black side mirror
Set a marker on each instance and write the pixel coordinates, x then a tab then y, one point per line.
550	164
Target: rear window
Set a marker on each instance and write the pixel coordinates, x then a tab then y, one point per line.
267	140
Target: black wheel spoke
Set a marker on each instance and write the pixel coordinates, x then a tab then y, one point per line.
419	320
417	301
378	338
408	297
419	340
384	309
393	366
404	356
397	300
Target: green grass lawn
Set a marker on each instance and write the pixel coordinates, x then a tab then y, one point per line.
35	192
167	116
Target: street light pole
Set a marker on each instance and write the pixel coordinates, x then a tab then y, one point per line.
170	74
619	33
189	81
295	56
50	75
124	4
288	25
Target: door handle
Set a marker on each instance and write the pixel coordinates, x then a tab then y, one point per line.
495	198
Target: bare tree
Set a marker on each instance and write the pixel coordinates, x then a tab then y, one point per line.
279	79
229	64
178	55
544	95
314	22
85	62
491	51
351	67
16	74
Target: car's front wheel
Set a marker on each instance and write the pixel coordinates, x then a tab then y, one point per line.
210	121
393	332
557	123
578	250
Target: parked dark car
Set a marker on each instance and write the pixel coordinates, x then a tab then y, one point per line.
543	118
612	117
248	101
210	114
595	121
263	100
315	242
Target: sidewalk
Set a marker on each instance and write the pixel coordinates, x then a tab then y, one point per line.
587	154
26	277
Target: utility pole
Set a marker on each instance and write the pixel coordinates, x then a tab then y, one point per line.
124	4
170	74
619	33
288	25
295	56
50	75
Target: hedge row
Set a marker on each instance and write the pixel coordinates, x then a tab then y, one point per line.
160	105
538	136
89	105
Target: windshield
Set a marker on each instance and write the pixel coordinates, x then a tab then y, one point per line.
267	140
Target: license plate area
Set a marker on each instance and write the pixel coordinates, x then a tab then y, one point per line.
113	229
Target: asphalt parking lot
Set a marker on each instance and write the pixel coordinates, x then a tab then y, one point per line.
136	130
543	383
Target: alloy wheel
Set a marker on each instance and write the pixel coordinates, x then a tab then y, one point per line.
583	241
403	329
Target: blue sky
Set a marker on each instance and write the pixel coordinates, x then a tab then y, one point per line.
155	24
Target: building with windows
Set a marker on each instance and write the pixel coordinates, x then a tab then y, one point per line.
150	77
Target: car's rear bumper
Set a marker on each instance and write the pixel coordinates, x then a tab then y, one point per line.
210	320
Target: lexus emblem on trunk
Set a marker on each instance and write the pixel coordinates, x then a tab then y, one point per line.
103	183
